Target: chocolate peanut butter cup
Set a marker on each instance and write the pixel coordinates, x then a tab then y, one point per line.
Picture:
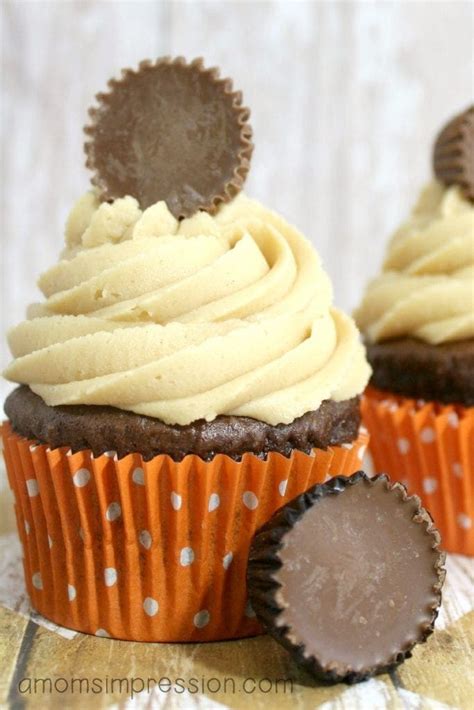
453	154
170	131
348	577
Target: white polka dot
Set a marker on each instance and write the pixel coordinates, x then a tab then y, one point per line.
151	606
102	633
27	527
361	453
113	512
453	420
214	502
33	447
227	559
282	487
50	541
201	619
250	500
430	485
145	539
186	556
427	435
176	500
138	476
249	612
110	454
81	477
464	521
348	446
110	576
363	430
71	592
37	581
403	445
32	487
457	469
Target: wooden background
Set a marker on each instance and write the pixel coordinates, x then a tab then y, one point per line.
345	98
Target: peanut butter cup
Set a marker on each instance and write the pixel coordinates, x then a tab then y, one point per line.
453	154
170	131
348	577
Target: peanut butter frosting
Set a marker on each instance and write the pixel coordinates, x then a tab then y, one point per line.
426	289
183	320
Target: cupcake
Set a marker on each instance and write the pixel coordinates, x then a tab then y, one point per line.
418	322
185	375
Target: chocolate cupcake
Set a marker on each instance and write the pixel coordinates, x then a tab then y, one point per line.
184	376
418	322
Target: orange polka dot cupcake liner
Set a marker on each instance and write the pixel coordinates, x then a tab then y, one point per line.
430	448
151	550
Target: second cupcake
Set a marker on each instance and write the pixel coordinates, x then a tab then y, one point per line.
418	322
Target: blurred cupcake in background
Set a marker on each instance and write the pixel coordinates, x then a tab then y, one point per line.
185	376
417	319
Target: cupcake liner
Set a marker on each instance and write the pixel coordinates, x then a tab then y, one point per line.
151	550
429	447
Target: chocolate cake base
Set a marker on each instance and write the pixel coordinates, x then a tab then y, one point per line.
109	429
439	373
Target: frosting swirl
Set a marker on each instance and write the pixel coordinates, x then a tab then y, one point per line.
187	320
426	289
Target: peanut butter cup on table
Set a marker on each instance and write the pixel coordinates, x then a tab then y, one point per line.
348	577
185	374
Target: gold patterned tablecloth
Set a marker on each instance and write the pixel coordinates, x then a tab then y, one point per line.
72	670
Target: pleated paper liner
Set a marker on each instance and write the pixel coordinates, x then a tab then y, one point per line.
430	448
151	550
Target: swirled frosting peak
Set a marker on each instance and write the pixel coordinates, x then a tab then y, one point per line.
186	320
426	289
